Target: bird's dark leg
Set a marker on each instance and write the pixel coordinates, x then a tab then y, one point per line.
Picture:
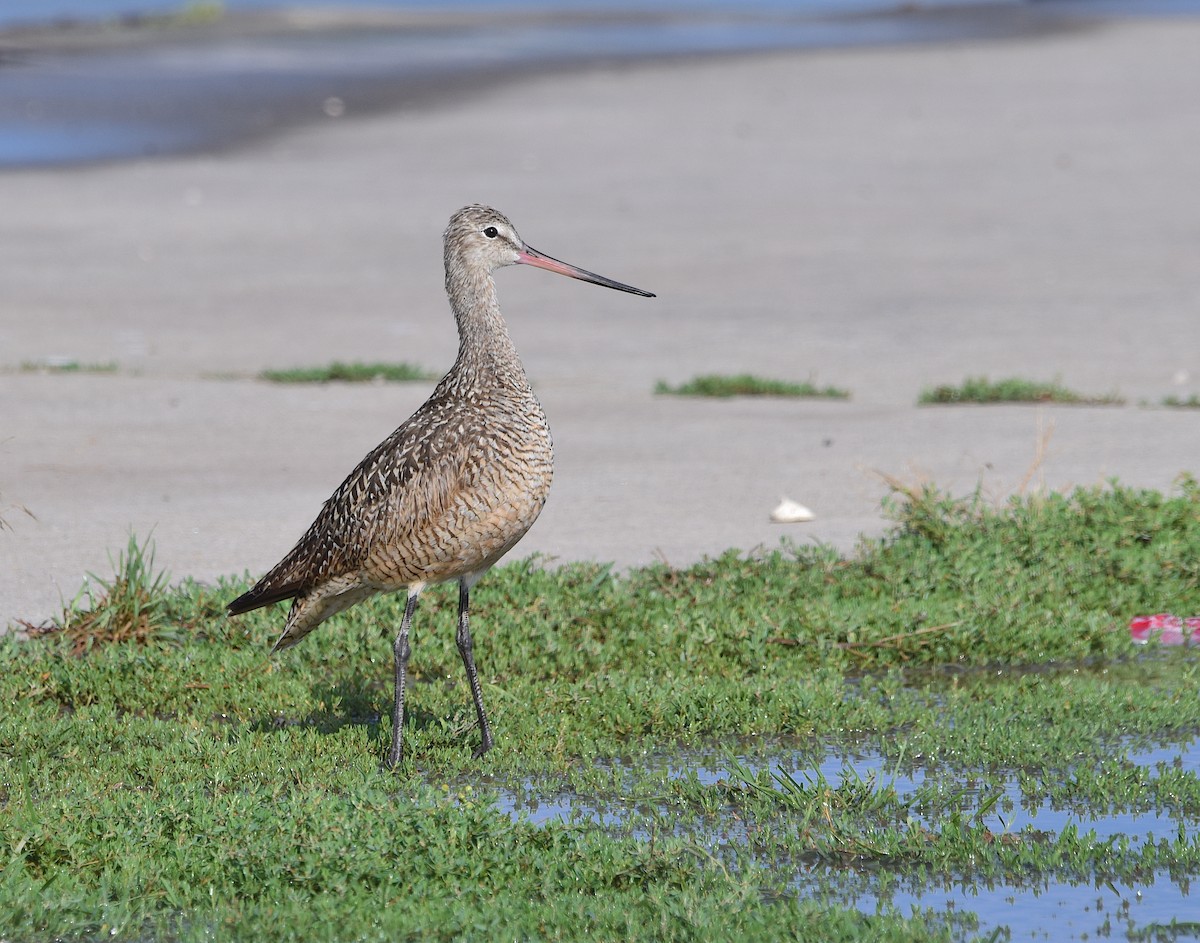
401	650
465	649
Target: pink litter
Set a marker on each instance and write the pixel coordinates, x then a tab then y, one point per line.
1166	628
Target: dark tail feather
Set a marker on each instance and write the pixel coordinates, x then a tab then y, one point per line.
261	596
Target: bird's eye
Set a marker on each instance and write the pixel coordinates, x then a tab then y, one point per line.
491	232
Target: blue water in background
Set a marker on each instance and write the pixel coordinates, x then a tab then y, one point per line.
165	96
42	11
206	89
25	12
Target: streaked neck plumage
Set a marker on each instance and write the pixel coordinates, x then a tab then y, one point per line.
484	346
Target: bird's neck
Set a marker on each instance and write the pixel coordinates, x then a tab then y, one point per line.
484	347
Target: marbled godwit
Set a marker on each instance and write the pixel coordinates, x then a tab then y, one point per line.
449	492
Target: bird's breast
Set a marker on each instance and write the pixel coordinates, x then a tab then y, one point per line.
485	484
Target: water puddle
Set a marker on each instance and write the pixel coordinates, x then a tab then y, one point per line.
637	800
1053	910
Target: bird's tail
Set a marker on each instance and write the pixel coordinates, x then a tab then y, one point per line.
263	594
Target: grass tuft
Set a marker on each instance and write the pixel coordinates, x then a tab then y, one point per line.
746	384
1012	390
1178	402
134	606
67	366
338	372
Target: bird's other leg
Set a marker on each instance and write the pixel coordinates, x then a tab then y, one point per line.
465	649
401	650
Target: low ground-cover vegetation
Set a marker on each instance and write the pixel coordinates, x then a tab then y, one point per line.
746	384
1012	390
338	372
64	365
178	782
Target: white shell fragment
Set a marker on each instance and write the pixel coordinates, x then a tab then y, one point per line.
789	512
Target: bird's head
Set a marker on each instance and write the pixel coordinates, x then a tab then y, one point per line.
481	238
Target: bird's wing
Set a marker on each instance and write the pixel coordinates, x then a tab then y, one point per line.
424	454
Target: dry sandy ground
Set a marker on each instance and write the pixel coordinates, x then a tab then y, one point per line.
878	219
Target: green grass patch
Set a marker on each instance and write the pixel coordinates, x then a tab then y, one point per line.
67	366
1180	402
188	13
181	783
746	384
1012	390
197	12
338	372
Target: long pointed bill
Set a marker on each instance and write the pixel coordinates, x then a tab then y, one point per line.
530	256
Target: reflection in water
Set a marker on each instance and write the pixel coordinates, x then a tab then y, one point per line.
1037	908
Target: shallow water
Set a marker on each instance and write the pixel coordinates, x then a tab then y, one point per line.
1038	909
163	97
171	97
25	12
1049	910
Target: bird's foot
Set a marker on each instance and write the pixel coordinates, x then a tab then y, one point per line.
394	758
484	746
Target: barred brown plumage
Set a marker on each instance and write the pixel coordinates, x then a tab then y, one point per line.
451	490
